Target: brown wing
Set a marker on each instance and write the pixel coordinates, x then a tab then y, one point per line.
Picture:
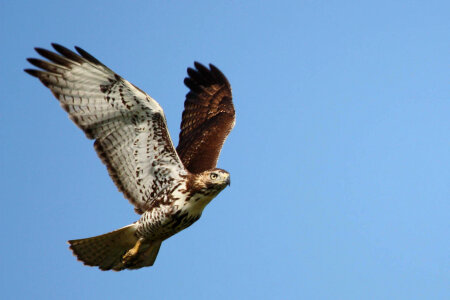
207	120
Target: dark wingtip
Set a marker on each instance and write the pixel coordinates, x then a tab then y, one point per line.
87	56
56	46
32	72
61	49
214	69
211	75
32	60
41	51
199	66
54	57
201	75
80	50
38	63
218	74
67	52
191	85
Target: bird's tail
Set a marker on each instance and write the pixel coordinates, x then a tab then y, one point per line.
106	251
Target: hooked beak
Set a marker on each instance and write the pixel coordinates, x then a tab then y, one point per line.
228	181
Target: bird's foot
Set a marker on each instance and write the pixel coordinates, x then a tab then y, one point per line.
131	254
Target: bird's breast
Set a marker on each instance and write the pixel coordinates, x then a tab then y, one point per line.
163	221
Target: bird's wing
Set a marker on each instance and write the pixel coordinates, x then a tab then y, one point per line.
208	118
129	127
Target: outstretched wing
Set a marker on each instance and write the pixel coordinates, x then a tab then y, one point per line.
128	126
207	120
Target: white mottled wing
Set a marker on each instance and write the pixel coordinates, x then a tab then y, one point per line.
128	126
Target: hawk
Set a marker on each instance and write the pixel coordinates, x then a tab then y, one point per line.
168	187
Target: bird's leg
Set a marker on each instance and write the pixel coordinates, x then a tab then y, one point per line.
131	254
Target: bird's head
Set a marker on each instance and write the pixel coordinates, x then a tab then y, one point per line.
218	177
214	180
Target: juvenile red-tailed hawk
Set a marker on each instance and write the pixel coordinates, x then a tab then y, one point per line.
168	187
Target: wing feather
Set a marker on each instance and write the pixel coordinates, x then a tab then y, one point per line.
128	126
208	118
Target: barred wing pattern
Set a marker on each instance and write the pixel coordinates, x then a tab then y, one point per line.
128	126
208	118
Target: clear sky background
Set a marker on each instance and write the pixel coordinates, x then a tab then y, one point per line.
340	157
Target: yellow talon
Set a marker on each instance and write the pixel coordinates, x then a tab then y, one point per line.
131	254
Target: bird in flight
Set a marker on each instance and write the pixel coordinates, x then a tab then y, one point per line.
168	187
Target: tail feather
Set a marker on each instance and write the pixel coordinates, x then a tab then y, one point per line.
113	259
105	251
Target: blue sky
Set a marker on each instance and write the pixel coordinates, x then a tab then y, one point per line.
340	158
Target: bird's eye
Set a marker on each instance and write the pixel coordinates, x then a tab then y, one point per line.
213	176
